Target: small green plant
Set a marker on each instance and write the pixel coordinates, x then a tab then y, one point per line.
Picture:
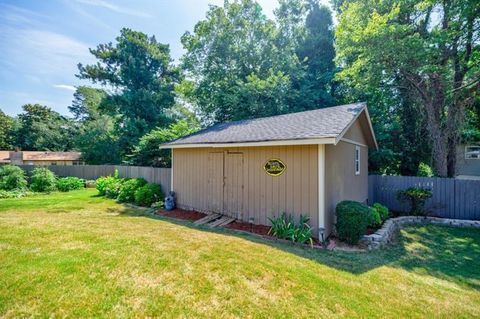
353	219
16	193
12	177
43	180
424	170
148	194
284	227
416	197
382	211
375	220
103	183
67	184
128	189
113	188
158	205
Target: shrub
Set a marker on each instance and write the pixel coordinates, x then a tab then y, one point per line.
382	211
43	180
16	193
148	194
416	197
375	220
284	227
159	204
12	177
103	183
113	188
424	170
67	184
128	188
353	219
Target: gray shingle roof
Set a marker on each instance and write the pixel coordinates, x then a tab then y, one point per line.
321	123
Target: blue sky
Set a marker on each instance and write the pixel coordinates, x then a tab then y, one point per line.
41	42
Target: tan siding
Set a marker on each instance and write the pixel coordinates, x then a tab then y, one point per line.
341	183
263	196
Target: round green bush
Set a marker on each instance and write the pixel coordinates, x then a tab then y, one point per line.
43	180
382	211
353	219
67	184
148	194
113	187
12	177
104	183
128	189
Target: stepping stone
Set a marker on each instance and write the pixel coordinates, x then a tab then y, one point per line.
207	219
226	222
219	222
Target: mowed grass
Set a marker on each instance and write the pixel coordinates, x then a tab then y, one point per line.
78	255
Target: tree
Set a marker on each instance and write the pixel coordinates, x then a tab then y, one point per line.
142	77
148	152
306	27
86	103
97	142
7	126
42	129
231	56
431	46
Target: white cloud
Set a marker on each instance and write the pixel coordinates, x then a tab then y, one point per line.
65	87
113	7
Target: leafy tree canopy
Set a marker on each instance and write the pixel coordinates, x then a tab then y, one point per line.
140	76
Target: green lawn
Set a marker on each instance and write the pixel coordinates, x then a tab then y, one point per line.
78	255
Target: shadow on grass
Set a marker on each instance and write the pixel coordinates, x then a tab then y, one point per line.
447	253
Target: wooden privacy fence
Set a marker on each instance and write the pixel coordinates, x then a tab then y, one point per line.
451	197
155	175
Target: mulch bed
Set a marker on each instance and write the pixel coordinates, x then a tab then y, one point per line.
256	229
181	214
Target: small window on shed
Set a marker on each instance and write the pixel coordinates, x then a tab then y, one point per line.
472	152
53	163
357	160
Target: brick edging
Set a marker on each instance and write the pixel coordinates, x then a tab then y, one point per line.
388	232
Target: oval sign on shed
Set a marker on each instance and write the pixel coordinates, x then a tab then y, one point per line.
274	167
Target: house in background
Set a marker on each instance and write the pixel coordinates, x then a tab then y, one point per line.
468	161
40	158
300	163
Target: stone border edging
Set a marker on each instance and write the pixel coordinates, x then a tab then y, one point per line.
388	232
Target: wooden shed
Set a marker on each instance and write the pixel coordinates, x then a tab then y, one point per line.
298	163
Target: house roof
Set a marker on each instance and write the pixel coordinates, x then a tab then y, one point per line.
51	156
42	156
4	157
326	125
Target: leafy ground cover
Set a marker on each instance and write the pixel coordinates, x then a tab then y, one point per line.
78	255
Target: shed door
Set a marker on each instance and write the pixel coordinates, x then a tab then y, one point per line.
233	189
215	182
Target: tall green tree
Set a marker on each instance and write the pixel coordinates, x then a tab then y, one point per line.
42	129
7	126
87	103
306	28
96	139
235	66
139	72
432	46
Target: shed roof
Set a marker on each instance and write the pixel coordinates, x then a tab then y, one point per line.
326	125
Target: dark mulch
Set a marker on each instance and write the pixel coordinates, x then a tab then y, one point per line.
256	229
181	214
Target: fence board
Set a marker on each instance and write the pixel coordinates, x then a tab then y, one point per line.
155	175
451	198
